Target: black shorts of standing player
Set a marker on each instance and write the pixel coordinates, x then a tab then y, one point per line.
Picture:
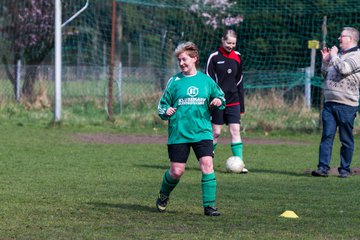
231	114
180	152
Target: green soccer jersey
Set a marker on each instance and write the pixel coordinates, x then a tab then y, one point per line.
191	96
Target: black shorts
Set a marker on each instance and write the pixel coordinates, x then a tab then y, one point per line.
180	152
230	114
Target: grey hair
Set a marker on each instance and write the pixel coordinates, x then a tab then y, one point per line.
353	32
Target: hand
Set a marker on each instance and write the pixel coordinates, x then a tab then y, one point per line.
170	111
215	102
334	51
325	54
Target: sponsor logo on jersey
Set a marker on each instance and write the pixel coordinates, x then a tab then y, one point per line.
193	100
192	91
220	62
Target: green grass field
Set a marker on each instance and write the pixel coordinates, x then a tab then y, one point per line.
53	186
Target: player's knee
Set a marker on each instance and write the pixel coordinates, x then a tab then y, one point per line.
235	132
206	165
216	134
176	173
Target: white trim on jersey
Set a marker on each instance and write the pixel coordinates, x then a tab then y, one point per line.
208	61
237	84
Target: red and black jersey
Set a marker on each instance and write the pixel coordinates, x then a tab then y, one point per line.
226	69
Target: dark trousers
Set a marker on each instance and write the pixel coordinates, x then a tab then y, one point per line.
336	115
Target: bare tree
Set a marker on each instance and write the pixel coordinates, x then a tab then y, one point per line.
29	31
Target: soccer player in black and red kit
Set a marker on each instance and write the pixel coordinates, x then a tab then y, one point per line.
225	67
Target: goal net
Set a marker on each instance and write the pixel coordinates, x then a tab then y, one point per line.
139	37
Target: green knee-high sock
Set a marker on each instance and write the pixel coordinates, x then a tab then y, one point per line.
237	149
214	146
168	184
208	187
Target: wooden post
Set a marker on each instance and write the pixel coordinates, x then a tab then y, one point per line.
324	35
313	45
111	72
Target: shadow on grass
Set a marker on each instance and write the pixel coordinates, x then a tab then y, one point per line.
305	173
132	207
279	172
188	168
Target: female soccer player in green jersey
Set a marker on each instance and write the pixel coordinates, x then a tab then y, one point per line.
186	104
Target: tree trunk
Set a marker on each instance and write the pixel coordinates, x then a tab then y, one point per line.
11	73
29	83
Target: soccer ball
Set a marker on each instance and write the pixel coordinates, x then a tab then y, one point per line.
234	164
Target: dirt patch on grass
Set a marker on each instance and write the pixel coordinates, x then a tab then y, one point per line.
157	139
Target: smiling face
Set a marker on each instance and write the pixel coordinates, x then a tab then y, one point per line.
345	40
228	43
187	63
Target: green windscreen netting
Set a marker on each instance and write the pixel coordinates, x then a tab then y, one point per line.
139	37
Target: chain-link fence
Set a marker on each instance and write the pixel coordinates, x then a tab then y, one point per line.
133	88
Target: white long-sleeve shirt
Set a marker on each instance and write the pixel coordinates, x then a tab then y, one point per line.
342	78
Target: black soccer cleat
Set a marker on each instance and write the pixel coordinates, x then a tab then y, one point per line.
319	173
211	211
162	202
